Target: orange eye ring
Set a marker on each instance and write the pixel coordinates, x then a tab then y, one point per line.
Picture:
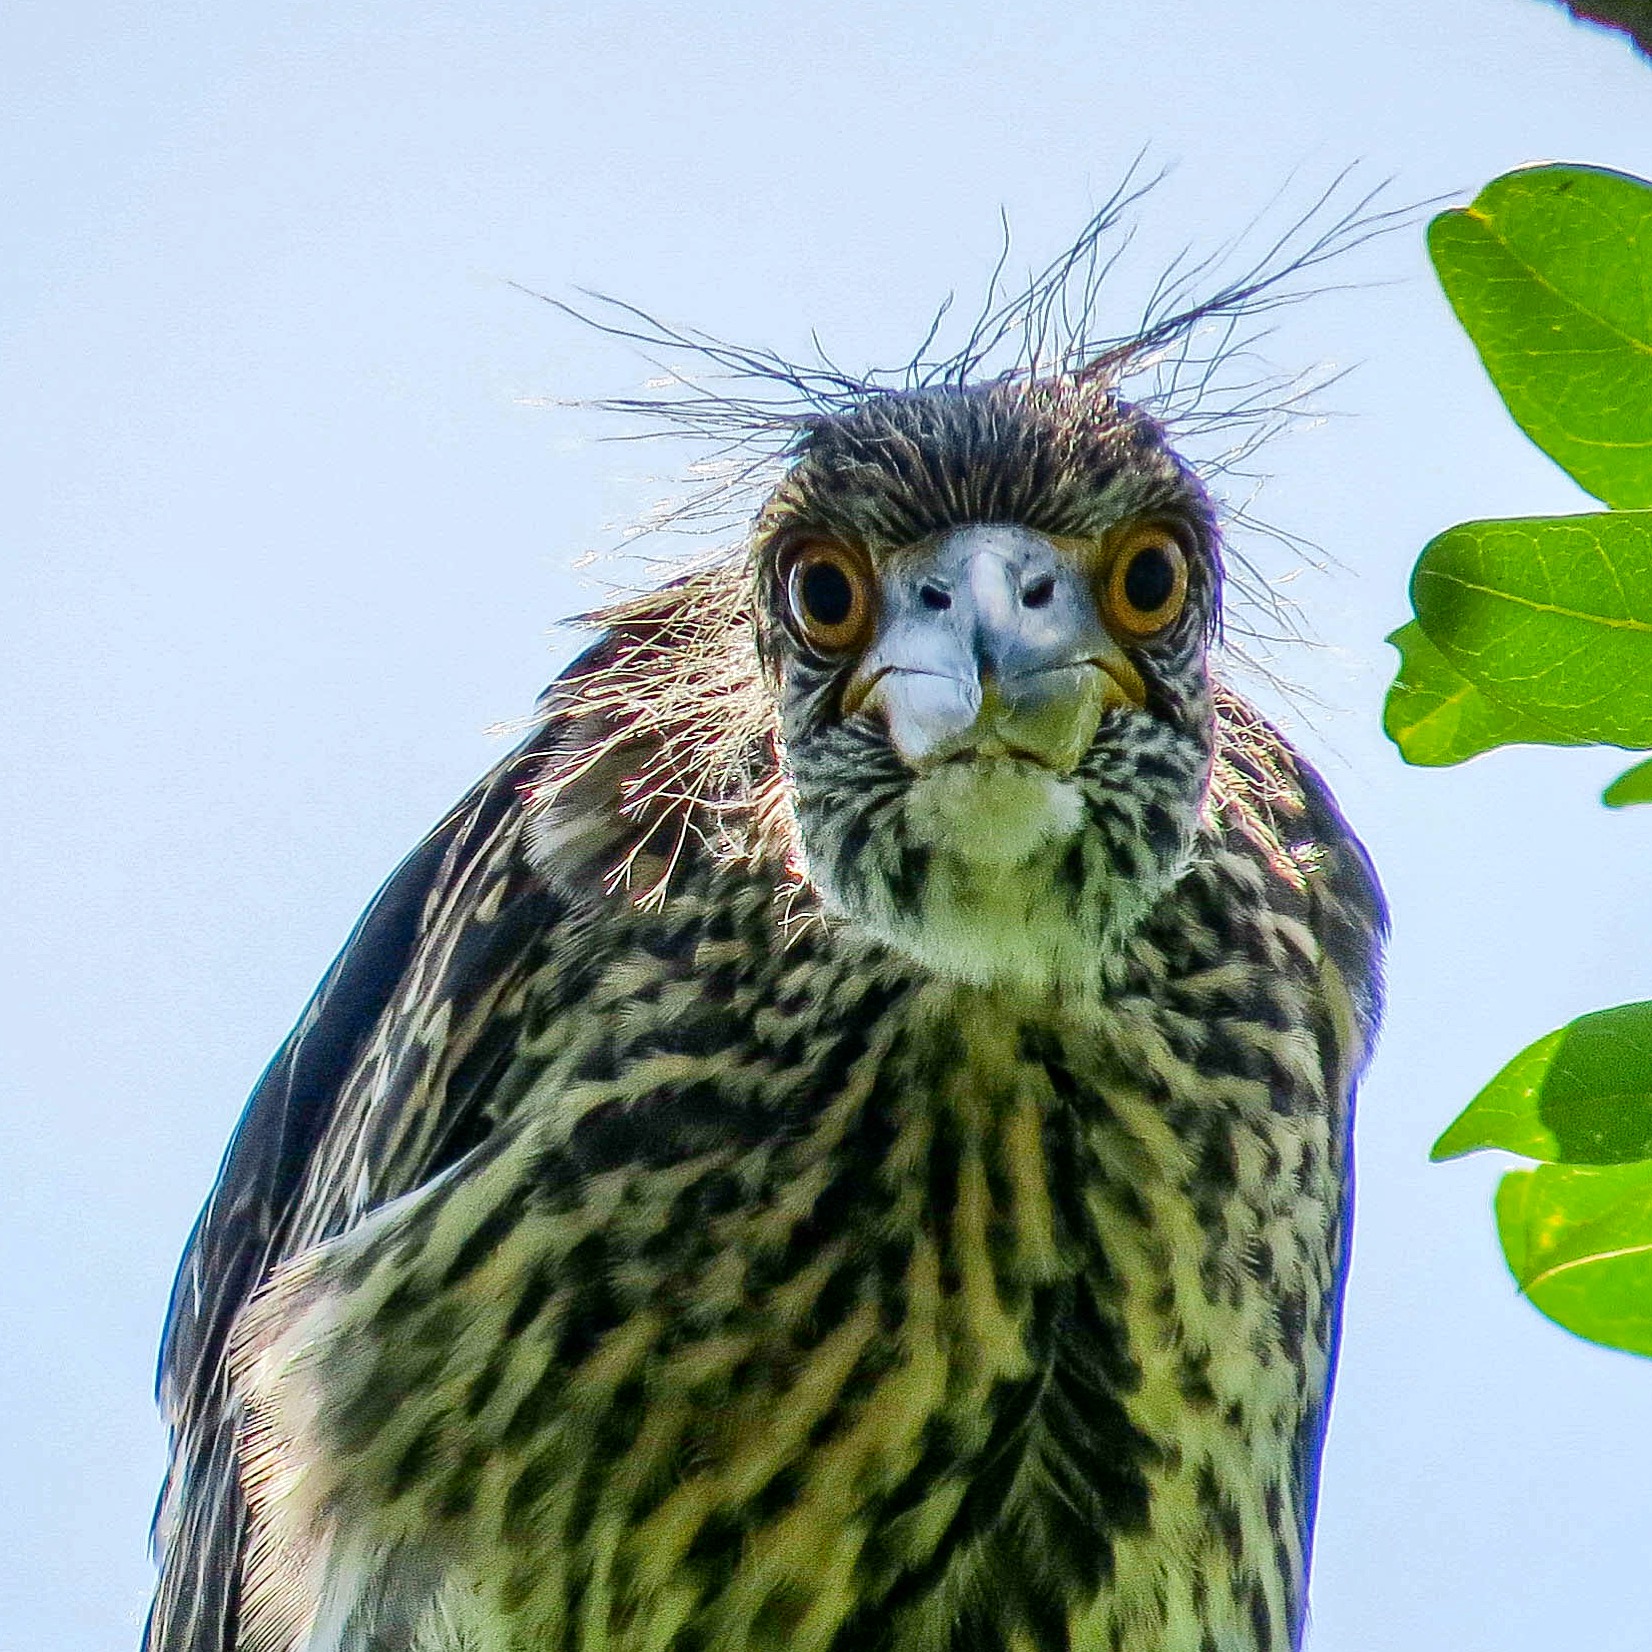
830	596
1147	582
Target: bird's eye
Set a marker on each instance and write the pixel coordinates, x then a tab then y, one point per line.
1147	583
830	592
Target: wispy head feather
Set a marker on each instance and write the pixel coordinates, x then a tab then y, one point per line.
1177	363
1191	362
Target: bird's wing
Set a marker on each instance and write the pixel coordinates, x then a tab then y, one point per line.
1349	919
1286	812
383	1082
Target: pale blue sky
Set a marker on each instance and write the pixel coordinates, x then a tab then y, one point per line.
283	535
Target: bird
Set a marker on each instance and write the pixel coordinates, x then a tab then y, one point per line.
841	1141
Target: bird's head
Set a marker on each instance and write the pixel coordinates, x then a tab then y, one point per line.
953	687
984	615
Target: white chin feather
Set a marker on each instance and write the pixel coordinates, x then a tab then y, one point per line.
1000	811
993	910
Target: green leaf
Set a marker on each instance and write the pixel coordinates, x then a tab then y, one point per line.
1435	715
1578	1240
1582	1095
1505	1112
1632	786
1550	273
1550	618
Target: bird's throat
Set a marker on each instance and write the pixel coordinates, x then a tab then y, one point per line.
986	889
995	812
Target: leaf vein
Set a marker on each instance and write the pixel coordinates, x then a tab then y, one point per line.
1627	623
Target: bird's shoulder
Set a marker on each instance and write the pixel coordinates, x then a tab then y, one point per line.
393	1071
1275	832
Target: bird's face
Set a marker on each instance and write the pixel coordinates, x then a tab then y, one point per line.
986	618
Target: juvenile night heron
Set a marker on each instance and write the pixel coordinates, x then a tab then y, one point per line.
841	1142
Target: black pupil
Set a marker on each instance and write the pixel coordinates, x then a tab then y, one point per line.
828	597
1150	579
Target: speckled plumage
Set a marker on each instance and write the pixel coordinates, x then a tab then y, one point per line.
917	1226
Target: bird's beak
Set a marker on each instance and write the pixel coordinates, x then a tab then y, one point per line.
989	644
